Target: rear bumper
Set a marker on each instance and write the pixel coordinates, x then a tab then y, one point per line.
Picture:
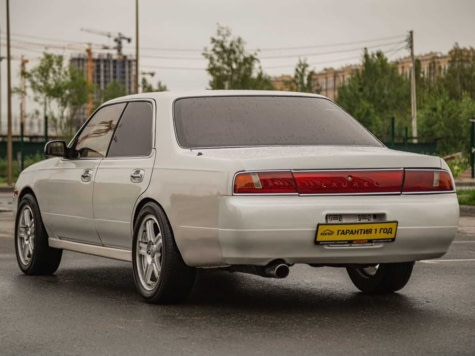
256	230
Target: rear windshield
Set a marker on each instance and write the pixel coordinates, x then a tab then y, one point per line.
240	121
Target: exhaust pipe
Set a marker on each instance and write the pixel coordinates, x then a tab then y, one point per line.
275	269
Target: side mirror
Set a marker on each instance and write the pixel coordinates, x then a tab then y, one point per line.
56	148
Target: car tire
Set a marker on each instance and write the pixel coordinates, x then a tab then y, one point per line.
382	278
160	274
33	253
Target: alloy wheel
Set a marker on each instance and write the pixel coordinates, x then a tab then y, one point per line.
26	236
149	252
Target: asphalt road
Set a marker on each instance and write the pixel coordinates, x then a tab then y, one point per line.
90	307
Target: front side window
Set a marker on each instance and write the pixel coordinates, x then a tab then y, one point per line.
133	137
242	121
94	139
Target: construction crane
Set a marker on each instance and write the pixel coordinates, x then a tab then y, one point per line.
90	80
118	38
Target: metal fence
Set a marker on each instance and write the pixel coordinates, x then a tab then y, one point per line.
28	148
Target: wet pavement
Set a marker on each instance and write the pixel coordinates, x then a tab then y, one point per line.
90	307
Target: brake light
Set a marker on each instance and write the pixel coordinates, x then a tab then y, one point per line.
264	183
395	181
349	182
416	181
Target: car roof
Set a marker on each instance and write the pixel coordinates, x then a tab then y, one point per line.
173	95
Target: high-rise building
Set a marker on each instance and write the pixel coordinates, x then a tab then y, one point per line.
106	69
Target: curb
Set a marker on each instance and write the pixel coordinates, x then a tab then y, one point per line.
6	189
463	185
467	210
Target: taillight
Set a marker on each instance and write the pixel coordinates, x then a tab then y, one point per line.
419	181
349	182
264	183
391	181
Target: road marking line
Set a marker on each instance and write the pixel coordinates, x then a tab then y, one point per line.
453	260
463	242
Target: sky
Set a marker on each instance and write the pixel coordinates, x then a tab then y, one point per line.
173	33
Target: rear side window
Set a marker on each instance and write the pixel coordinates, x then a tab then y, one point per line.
239	121
134	133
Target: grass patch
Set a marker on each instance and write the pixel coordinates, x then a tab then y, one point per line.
466	197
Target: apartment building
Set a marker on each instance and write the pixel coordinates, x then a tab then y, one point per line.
432	64
106	68
329	80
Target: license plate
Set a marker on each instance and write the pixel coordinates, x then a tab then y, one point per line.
356	233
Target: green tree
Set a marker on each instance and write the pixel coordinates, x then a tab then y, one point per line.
376	93
231	66
302	80
61	90
114	89
148	87
446	103
447	120
460	77
75	93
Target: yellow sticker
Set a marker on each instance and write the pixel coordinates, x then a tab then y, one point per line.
356	233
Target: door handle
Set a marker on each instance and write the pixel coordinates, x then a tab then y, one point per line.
86	175
137	175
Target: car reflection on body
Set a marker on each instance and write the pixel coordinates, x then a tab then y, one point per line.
247	181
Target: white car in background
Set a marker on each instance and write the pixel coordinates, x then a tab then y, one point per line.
248	181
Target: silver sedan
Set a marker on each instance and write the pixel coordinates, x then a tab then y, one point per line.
248	181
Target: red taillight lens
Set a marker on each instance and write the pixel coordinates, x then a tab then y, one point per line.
349	182
416	181
264	183
344	182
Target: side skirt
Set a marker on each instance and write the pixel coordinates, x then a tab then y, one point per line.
114	253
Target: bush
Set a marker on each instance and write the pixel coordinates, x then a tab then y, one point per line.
458	165
29	160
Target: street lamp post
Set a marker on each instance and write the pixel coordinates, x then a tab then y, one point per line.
1	58
136	46
9	103
472	147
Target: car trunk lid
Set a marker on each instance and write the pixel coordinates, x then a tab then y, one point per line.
321	158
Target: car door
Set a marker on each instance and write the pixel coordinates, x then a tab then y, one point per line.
67	193
124	174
